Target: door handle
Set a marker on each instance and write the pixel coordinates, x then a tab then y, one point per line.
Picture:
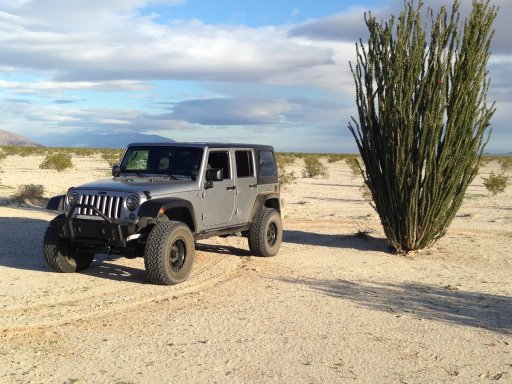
253	185
231	188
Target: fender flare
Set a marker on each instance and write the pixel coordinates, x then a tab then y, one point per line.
56	203
157	208
262	200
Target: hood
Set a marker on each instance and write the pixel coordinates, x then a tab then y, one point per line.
138	185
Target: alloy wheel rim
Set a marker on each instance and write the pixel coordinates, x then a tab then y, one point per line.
178	254
272	234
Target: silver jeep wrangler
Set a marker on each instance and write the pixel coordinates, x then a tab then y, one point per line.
161	199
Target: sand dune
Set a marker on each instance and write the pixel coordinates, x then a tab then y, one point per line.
329	308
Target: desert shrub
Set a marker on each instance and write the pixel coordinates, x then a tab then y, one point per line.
333	158
353	165
363	232
366	193
85	152
112	156
28	192
57	161
285	177
496	183
284	159
485	160
505	163
3	155
313	167
423	118
23	151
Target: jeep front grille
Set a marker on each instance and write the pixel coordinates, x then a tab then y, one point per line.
110	206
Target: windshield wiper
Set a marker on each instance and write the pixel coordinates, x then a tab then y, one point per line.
163	176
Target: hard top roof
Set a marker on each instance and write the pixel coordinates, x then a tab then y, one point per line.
203	145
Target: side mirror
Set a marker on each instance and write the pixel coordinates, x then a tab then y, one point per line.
116	170
214	174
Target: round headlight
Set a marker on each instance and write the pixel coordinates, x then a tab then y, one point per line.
73	199
132	202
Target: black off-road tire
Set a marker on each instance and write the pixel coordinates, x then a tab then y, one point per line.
59	254
169	253
266	233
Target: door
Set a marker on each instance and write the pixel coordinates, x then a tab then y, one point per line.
219	198
247	185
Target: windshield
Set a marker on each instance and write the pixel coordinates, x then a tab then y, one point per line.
175	162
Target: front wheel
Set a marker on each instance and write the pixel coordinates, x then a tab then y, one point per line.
169	253
266	233
59	254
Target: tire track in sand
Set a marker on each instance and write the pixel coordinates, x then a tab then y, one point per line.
110	286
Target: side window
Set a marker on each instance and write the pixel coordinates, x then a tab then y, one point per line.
244	164
220	160
267	164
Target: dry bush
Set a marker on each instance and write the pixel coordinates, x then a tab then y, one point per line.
333	158
363	232
3	155
57	161
24	151
505	163
366	193
313	167
285	177
496	183
111	156
284	159
28	192
85	152
353	165
484	160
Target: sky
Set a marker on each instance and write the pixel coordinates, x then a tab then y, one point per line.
258	71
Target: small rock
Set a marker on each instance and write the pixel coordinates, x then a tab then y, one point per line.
451	288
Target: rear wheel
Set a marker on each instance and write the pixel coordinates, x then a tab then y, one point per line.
59	254
266	233
169	253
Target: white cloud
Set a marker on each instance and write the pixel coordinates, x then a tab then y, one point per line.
122	45
38	86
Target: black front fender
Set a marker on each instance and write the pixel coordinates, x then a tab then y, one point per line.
156	208
56	203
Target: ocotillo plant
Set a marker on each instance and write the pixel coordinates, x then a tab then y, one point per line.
423	116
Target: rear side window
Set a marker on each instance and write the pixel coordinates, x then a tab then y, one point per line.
244	164
220	160
267	164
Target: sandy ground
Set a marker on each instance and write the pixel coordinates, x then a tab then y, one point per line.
329	308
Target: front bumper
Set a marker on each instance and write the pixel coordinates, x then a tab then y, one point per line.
98	230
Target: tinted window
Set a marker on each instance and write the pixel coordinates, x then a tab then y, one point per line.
220	160
244	164
267	164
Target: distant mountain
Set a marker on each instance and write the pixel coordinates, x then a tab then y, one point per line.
9	138
100	141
